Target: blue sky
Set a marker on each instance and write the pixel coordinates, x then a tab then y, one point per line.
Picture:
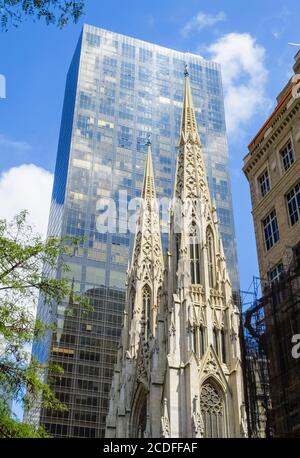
248	38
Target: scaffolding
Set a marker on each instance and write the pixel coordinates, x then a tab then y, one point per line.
255	362
270	318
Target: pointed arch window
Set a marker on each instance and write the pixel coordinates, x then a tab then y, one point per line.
216	340
139	414
195	259
223	346
212	410
199	341
147	304
131	305
210	257
195	339
177	246
142	420
159	294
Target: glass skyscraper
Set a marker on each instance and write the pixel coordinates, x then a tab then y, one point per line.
119	90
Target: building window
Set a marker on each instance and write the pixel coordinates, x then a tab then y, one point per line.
296	255
131	305
264	183
92	40
195	335
223	345
274	274
271	231
293	203
216	340
199	342
195	250
146	304
210	257
287	155
139	414
212	410
224	216
177	247
128	50
145	55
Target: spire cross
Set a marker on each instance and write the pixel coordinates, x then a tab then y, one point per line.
186	72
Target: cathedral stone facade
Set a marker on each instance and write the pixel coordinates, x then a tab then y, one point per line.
178	372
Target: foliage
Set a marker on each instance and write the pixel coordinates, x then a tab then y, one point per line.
27	264
12	428
57	12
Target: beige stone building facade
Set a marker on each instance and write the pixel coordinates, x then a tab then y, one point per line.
179	363
272	168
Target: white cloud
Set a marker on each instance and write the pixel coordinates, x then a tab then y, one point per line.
26	187
202	20
244	76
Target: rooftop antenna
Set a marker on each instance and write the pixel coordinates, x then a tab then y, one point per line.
294	44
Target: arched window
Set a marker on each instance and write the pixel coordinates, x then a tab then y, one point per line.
216	340
195	336
147	305
131	305
223	346
159	294
212	410
142	420
139	413
210	257
195	251
201	341
177	246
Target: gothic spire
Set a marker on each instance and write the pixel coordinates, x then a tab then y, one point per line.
191	179
148	191
188	123
145	275
147	253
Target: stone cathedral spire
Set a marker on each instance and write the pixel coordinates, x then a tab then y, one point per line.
179	370
146	271
190	175
203	352
138	351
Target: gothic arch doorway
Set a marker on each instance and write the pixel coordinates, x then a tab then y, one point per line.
139	413
212	410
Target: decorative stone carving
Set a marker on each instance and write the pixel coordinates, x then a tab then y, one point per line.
198	425
211	365
165	423
210	399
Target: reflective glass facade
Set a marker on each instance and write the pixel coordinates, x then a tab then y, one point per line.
119	90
